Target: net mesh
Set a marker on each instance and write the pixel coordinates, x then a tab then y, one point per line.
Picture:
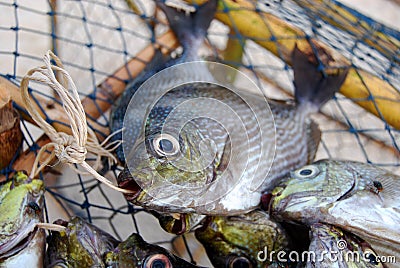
94	39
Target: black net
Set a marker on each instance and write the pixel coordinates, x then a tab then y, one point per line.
94	39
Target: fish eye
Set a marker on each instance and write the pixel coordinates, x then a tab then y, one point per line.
307	172
34	206
165	145
239	262
157	261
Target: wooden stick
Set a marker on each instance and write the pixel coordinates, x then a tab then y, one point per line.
341	18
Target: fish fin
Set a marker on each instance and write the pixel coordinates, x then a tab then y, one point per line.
313	140
190	28
312	85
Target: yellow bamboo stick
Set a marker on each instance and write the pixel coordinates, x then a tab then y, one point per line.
341	18
279	37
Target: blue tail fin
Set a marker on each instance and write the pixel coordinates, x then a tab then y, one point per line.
312	85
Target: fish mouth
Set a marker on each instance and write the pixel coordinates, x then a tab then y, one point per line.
266	202
179	226
271	203
126	181
268	199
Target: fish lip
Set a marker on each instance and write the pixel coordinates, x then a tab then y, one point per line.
180	227
268	199
128	182
283	204
298	202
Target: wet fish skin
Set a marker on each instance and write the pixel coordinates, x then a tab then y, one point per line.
240	238
190	30
344	194
135	252
21	208
296	141
347	249
80	245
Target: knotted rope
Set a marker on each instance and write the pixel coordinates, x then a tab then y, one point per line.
70	149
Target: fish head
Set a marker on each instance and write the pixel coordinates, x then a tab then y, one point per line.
135	252
235	241
21	204
311	190
80	245
177	156
350	248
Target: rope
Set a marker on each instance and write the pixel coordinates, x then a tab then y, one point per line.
70	149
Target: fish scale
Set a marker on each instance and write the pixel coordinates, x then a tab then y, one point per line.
291	147
343	194
240	170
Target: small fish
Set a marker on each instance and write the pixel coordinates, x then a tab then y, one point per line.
220	163
168	165
332	247
80	245
339	193
236	241
134	252
21	204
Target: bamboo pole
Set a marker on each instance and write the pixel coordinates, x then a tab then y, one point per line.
342	18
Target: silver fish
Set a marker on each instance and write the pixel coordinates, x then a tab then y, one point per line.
360	198
332	247
207	148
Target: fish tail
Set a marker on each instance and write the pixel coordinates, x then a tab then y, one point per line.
190	27
312	84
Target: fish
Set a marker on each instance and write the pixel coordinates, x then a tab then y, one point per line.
240	241
208	148
135	252
332	247
357	197
22	244
178	223
196	24
80	245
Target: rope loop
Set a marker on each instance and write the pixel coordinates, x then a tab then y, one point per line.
69	149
